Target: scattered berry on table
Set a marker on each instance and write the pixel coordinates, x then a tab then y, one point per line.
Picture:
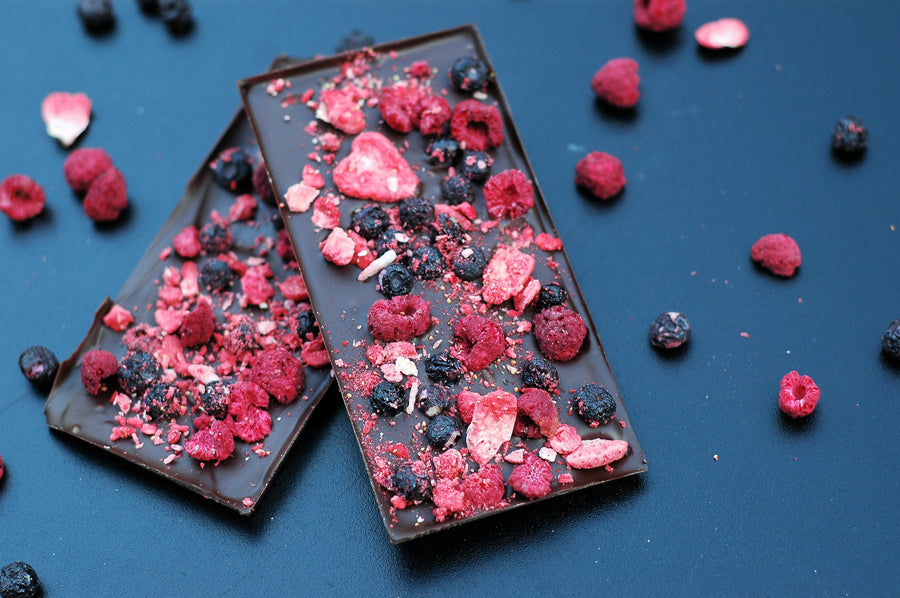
97	16
849	135
728	33
540	373
443	151
21	198
601	174
107	197
659	15
468	262
669	330
778	253
369	221
84	165
39	365
617	83
387	398
1	468
890	340
395	280
443	431
551	294
594	404
66	115
149	7
19	580
176	16
799	395
469	73
443	367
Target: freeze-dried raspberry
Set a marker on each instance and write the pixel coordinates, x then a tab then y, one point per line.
375	170
96	366
538	405
399	318
245	396
616	83
506	274
256	286
799	395
484	488
479	342
243	208
107	196
597	452
659	15
531	478
560	332
601	174
492	424
21	198
198	325
314	354
434	112
84	165
253	425
262	185
339	108
399	107
778	253
465	405
476	126
118	318
187	242
279	373
214	443
508	194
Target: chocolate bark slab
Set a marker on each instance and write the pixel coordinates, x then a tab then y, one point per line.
281	107
239	481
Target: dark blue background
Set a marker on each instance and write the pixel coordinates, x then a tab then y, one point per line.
720	151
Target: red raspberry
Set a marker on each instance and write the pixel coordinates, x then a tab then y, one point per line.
256	286
531	478
601	174
375	170
96	366
279	373
538	405
476	126
107	196
617	81
778	253
479	341
399	106
245	396
198	325
314	353
214	443
659	15
485	488
508	194
597	452
340	109
84	165
434	112
253	425
465	405
560	332
21	198
799	395
399	318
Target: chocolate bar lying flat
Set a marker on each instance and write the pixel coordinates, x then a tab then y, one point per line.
258	304
463	348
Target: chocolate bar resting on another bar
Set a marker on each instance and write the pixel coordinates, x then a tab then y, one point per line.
464	351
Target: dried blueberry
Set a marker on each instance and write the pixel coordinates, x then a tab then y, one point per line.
149	7
433	400
369	221
39	365
410	483
427	263
355	40
214	399
176	15
19	580
669	330
96	15
215	238
468	263
387	398
890	340
476	166
443	367
392	238
450	228
137	371
849	135
162	401
442	432
551	294
215	275
232	169
306	324
443	151
469	73
540	373
594	404
395	280
416	212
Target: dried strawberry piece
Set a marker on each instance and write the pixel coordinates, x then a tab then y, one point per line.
214	443
728	33
508	194
601	174
107	196
506	274
778	253
616	83
187	242
338	247
96	366
492	424
118	318
597	452
560	332
538	405
566	440
532	478
198	325
799	395
659	15
84	165
548	242
399	318
279	373
476	126
66	115
256	286
479	341
243	208
253	424
21	198
465	405
375	170
294	288
484	488
340	109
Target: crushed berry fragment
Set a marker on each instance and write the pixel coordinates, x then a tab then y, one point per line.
799	395
560	332
198	325
21	198
616	83
279	373
399	318
508	194
538	405
659	15
84	165
96	366
601	174
849	135
669	330
890	340
476	126
594	404
107	196
532	478
479	342
39	365
214	443
728	33
778	253
506	274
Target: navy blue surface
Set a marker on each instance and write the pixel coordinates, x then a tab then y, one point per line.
720	151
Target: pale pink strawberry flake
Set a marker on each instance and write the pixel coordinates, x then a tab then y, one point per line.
597	452
66	115
725	33
492	424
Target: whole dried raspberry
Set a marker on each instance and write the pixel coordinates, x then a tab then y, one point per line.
399	107
778	253
107	196
560	332
616	83
198	325
538	405
84	165
659	15
476	126
375	170
253	424
531	478
399	318
484	488
21	198
798	395
215	443
96	366
479	342
434	112
279	373
601	174
508	194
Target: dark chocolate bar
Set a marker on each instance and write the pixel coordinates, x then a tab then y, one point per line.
371	128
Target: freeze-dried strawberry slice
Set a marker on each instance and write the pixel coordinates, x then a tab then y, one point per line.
340	109
214	443
725	33
66	115
597	453
21	198
485	488
508	194
566	440
479	341
118	318
375	170
492	424
538	405
506	274
531	478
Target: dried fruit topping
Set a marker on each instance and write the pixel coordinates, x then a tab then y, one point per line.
506	274
443	367
492	424
369	221
198	325
433	400
476	166
551	294
395	280
468	263
669	330
442	432
279	373
21	198
485	488
262	185
443	151
399	318
479	342
601	174
215	276
163	401
799	395
532	477
415	213
616	83
890	340
96	366
96	15
728	33
107	196
659	15
597	452
214	443
508	194
387	398
19	580
469	74
66	115
214	399
778	253
411	482
137	372
84	165
427	263
375	170
540	373
538	406
594	404
39	365
560	332
457	189
233	170
849	135
476	126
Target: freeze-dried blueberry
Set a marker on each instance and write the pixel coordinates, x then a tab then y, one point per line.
416	212
551	294
669	330
443	367
540	373
392	238
214	399
411	484
443	151
395	280
96	15
442	432
369	221
149	7
423	236
215	275
306	324
469	73
456	189
355	40
137	371
19	580
232	169
476	166
433	399
468	262
215	238
176	15
427	262
162	401
450	228
890	340
387	398
849	135
39	365
594	404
